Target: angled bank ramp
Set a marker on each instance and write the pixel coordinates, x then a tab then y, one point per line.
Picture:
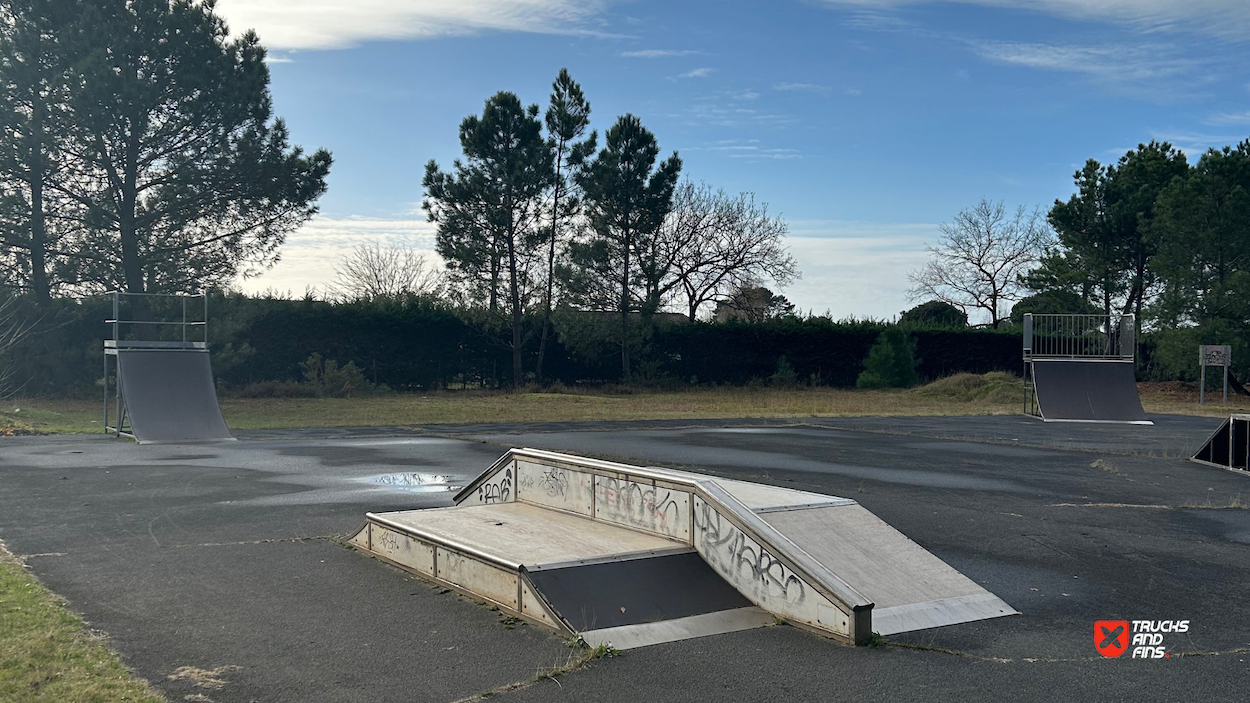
634	556
1229	446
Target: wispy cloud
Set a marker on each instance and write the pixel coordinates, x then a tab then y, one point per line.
751	149
720	110
803	87
660	53
697	73
1159	72
1229	118
1115	62
1227	19
334	24
1195	144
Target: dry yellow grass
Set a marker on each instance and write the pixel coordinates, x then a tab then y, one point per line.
963	394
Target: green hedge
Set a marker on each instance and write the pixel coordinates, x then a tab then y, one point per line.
421	344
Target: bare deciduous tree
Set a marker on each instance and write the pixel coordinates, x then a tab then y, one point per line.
981	257
376	270
721	243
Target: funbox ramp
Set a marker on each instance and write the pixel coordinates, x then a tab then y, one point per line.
1101	390
169	396
1229	446
634	556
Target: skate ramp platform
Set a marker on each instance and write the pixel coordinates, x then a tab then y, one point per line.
168	395
1103	390
633	556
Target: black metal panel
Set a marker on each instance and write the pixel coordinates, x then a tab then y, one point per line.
1240	443
169	395
1087	390
636	591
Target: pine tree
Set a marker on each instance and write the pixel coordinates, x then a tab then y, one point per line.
627	196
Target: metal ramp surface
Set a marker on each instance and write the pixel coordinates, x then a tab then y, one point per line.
640	555
168	395
1101	390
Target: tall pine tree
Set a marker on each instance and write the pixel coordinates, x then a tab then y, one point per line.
627	196
568	116
489	210
183	176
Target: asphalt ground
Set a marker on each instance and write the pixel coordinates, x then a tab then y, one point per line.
224	558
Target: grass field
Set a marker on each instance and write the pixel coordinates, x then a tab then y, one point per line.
46	653
964	394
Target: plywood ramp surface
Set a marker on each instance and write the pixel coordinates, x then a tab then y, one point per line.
759	497
911	588
527	534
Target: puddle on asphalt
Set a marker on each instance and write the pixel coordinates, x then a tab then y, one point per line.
414	481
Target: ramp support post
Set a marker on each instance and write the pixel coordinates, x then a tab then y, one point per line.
861	624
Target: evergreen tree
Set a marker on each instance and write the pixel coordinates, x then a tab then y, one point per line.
489	210
1202	233
891	362
183	176
1104	230
567	118
36	37
627	196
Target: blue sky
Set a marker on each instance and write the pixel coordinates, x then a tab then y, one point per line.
864	122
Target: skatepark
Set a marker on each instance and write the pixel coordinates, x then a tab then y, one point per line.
965	556
226	555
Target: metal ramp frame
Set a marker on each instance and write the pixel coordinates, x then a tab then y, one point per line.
777	548
151	364
1079	368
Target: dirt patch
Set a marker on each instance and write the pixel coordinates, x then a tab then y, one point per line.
210	679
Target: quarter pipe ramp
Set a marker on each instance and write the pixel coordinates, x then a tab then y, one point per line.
1087	391
168	395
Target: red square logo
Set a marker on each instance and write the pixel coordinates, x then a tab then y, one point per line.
1111	637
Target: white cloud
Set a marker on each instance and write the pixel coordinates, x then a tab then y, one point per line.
803	87
1110	62
856	268
309	255
334	24
1227	19
659	53
697	73
1195	144
1229	118
753	151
